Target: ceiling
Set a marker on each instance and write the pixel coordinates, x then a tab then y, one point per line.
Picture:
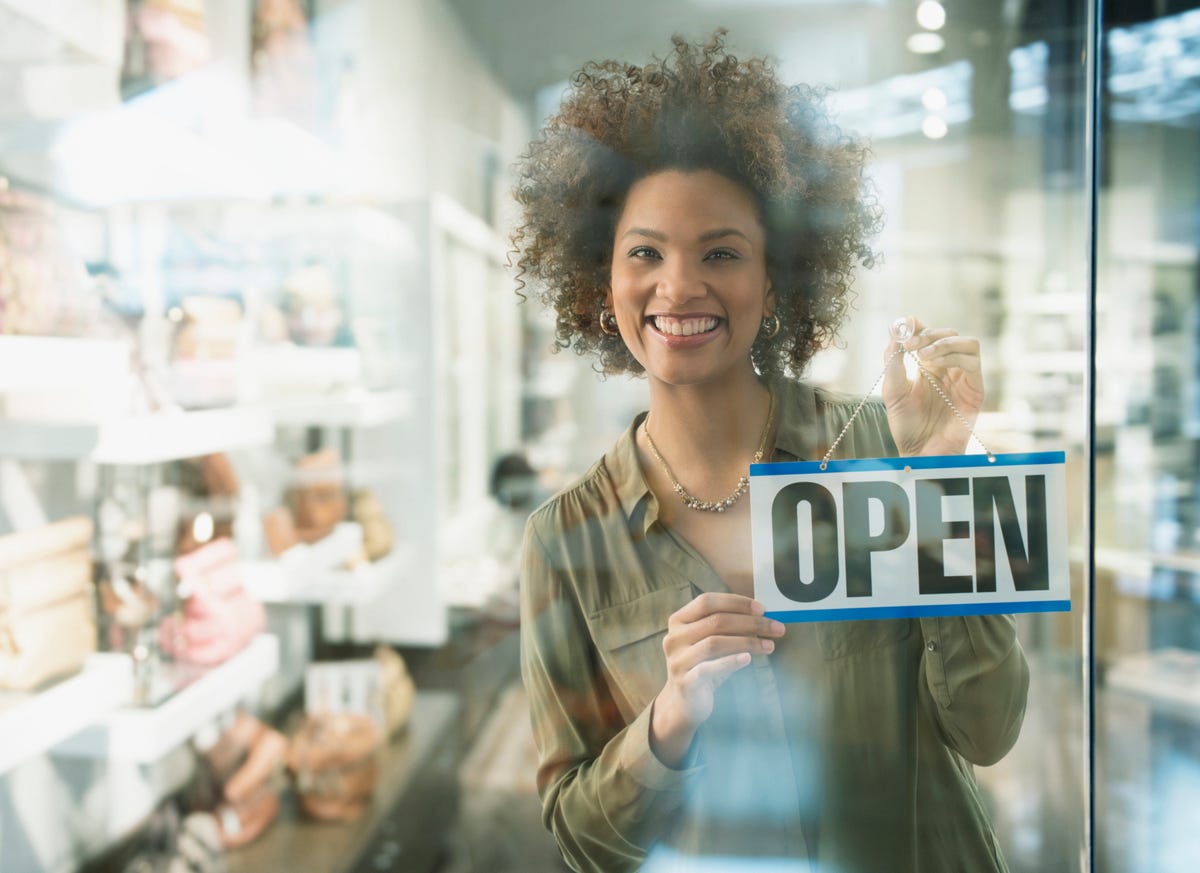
531	44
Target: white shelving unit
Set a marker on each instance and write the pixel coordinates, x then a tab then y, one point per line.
277	582
38	363
1168	678
351	409
146	734
32	722
138	439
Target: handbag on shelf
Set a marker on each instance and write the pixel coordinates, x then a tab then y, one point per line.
219	618
334	761
47	611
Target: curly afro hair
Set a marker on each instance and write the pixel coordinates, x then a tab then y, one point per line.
700	109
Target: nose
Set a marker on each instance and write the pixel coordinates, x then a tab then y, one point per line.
680	281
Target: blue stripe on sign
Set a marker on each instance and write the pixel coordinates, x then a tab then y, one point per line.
930	610
851	465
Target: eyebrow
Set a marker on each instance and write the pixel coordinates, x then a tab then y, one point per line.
707	236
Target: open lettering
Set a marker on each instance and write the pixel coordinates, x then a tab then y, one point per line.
811	540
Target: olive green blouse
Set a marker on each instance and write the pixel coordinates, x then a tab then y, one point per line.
849	748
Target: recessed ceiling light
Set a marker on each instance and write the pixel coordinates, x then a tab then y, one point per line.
931	15
934	127
934	99
925	43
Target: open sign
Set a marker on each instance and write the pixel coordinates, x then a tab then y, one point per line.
907	537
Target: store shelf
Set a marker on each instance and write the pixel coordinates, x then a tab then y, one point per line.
147	734
1168	678
39	363
288	582
357	409
32	722
138	439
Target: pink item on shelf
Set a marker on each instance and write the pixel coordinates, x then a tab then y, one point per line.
219	617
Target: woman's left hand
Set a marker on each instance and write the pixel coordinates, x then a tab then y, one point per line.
921	421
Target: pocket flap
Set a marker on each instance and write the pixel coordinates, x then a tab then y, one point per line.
642	617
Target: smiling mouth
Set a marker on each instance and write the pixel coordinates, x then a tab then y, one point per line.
683	326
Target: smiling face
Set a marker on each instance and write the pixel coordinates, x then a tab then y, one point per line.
689	282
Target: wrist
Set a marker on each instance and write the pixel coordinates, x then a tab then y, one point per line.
671	732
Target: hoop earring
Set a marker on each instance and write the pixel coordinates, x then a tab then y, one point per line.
771	325
608	322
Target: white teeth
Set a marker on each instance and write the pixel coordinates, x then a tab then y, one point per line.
684	326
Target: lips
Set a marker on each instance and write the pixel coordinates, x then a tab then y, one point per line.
683	326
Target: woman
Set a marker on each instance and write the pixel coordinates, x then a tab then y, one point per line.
697	222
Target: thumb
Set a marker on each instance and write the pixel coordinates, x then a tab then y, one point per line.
895	379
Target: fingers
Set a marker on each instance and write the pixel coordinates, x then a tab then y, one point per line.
714	602
715	626
713	615
716	672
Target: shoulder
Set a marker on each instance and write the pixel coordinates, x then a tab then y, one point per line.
868	435
587	496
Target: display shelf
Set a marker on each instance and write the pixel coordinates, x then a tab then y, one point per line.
39	363
138	439
32	722
288	582
1169	678
146	734
350	409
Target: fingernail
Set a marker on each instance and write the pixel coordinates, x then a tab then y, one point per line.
777	628
767	645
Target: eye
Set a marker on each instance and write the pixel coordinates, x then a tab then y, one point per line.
643	252
722	255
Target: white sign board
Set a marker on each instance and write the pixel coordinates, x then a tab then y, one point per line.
909	537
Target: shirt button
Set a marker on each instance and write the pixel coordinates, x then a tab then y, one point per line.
931	645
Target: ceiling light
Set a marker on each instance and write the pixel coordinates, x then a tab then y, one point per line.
934	127
934	99
925	43
931	15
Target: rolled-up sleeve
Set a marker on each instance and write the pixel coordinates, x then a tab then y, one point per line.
975	682
605	796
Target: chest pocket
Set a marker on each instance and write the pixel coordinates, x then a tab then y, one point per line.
842	639
629	637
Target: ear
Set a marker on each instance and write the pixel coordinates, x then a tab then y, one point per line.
608	298
769	300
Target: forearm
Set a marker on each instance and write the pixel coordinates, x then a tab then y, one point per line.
974	683
608	812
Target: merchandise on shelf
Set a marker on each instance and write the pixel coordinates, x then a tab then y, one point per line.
334	759
241	778
205	351
166	39
219	618
366	509
44	289
47	613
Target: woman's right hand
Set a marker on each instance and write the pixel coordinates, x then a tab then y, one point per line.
707	641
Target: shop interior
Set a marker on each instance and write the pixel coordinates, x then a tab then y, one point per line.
273	412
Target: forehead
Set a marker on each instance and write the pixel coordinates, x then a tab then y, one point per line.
699	200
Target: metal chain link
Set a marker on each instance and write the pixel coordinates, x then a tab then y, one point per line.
928	378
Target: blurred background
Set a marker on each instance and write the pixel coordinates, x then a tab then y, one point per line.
272	414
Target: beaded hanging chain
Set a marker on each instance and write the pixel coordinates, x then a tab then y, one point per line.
928	378
690	500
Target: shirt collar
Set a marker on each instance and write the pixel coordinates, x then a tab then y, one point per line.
626	473
796	411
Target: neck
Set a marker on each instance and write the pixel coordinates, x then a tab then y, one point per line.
709	429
